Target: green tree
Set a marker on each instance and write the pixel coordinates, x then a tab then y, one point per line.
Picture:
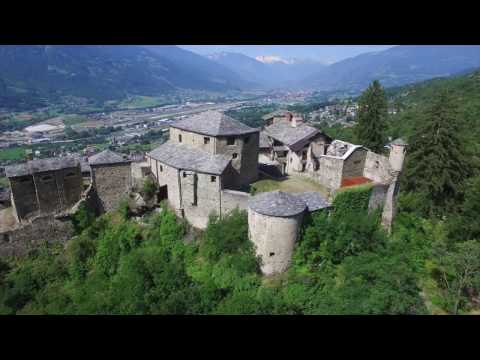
372	115
457	271
437	164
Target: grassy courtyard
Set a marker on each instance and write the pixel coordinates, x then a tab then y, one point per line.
290	184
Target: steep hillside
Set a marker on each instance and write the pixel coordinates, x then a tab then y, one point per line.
396	66
465	91
104	72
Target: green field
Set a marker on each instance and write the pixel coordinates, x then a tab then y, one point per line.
141	102
12	154
74	120
4	182
291	184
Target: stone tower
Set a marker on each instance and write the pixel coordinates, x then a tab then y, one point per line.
274	221
396	159
111	177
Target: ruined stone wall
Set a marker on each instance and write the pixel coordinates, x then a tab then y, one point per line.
353	166
274	239
377	168
58	190
294	162
24	196
193	140
329	172
246	148
19	241
377	197
112	183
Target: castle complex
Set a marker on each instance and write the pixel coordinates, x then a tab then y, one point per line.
207	167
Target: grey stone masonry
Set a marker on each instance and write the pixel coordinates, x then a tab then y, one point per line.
278	204
289	135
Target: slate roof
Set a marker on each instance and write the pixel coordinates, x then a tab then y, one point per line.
290	135
187	158
314	200
106	157
40	165
278	204
213	123
398	141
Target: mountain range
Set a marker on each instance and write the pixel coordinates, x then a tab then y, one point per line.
32	73
105	72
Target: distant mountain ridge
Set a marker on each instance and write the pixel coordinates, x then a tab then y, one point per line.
106	72
268	71
396	66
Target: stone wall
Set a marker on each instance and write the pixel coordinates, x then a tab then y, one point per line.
193	140
377	197
329	172
46	192
245	160
24	196
200	197
27	236
353	166
274	239
377	168
231	200
112	183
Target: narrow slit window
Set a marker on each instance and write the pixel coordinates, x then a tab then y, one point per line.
179	137
213	178
231	141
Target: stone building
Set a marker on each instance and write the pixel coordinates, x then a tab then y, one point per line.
282	116
292	145
45	186
207	158
274	222
111	178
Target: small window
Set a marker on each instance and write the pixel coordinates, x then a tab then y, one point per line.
377	164
231	141
213	178
206	140
161	168
234	155
179	137
47	178
184	174
247	139
272	254
357	162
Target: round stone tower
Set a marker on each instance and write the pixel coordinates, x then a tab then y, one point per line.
274	221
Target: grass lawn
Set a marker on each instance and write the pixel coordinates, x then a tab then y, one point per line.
74	120
16	153
291	184
4	182
141	102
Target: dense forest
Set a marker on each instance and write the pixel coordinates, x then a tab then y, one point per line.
344	262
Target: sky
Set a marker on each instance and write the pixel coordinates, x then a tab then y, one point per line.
324	53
